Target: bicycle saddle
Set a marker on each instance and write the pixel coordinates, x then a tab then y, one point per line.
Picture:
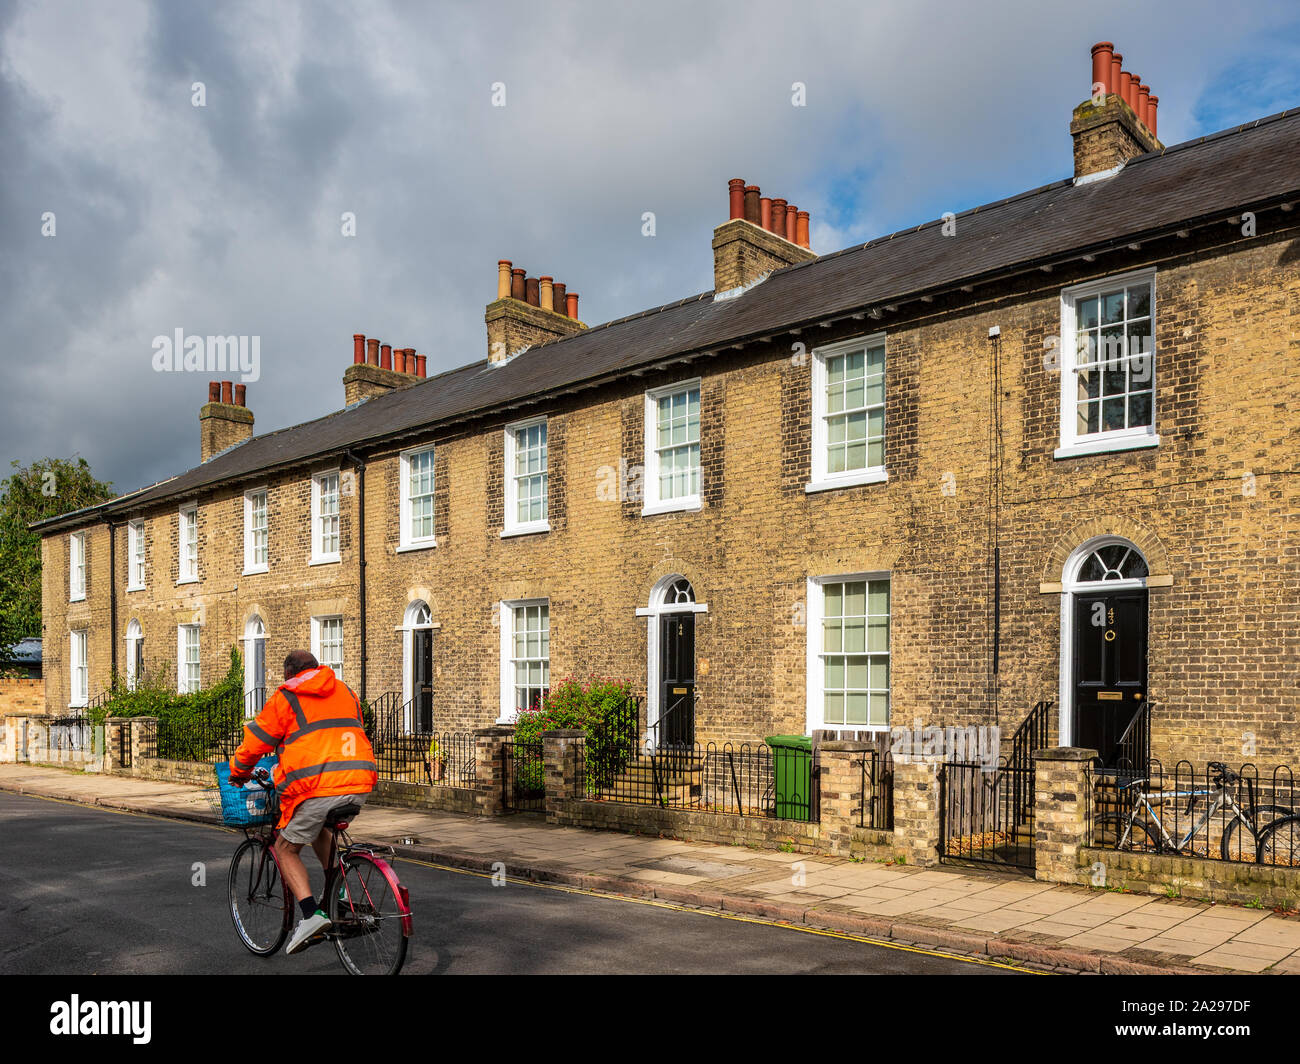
342	814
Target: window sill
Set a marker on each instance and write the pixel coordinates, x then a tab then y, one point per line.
403	548
673	506
867	476
255	570
136	587
327	559
79	705
187	580
1107	446
77	598
526	530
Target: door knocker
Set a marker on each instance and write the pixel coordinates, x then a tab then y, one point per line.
1110	635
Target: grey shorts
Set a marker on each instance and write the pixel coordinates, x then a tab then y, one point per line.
309	816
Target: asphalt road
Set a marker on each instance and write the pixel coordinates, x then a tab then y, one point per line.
90	891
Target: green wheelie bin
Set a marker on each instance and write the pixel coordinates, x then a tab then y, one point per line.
792	769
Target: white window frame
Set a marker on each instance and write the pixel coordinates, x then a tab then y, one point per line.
318	555
1072	444
820	479
79	669
135	556
187	517
653	504
77	567
815	716
317	625
251	565
182	680
405	540
507	626
134	635
511	525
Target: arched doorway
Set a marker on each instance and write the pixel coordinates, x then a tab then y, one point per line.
670	664
417	670
1104	649
254	666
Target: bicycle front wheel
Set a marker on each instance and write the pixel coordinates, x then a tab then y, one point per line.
259	898
1279	843
370	921
1241	836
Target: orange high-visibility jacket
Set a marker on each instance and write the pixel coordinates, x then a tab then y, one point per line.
313	722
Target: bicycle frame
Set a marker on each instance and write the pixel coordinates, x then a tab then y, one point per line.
1222	799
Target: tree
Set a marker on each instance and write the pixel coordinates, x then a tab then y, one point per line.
46	488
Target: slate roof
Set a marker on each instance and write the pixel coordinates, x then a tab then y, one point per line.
1256	164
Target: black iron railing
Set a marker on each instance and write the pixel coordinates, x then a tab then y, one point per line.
1034	734
210	733
877	809
981	814
608	750
1190	810
744	779
405	754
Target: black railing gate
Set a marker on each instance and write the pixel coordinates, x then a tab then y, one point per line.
523	776
986	813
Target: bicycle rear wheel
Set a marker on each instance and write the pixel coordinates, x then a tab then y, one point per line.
369	920
1241	837
1115	833
259	898
1279	843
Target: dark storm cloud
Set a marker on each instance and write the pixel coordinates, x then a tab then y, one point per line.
226	219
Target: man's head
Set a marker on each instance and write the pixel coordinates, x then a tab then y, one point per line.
299	661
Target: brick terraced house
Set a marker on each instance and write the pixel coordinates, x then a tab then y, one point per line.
1042	450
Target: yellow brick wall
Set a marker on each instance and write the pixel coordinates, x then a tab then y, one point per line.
1223	643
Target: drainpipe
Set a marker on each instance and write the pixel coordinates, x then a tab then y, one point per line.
112	604
361	559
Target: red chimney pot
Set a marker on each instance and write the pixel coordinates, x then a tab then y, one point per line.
751	203
214	391
241	394
765	212
419	365
225	393
1152	103
792	223
399	360
571	300
531	296
372	352
803	230
358	348
778	217
557	291
736	196
1102	52
1144	97
517	283
386	356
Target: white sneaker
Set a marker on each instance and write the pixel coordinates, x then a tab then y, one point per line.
308	927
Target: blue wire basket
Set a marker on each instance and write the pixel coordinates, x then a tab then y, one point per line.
244	805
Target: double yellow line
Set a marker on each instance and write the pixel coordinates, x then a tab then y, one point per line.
717	914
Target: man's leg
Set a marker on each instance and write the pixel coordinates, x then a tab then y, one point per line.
292	868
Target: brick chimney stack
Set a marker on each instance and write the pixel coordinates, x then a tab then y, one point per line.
378	368
224	420
528	311
761	235
1120	124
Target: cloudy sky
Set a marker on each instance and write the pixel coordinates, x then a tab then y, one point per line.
227	218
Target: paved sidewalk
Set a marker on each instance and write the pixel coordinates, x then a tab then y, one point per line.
964	911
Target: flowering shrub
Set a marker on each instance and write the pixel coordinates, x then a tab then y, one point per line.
599	707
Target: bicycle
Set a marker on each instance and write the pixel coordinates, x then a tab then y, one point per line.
1122	831
1279	842
369	908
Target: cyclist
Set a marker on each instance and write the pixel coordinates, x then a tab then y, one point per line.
313	721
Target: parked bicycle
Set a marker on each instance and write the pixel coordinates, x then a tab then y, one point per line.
1143	828
369	908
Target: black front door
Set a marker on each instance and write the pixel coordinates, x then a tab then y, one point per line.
1110	667
677	679
422	679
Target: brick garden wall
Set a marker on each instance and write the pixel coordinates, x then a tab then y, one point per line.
22	696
